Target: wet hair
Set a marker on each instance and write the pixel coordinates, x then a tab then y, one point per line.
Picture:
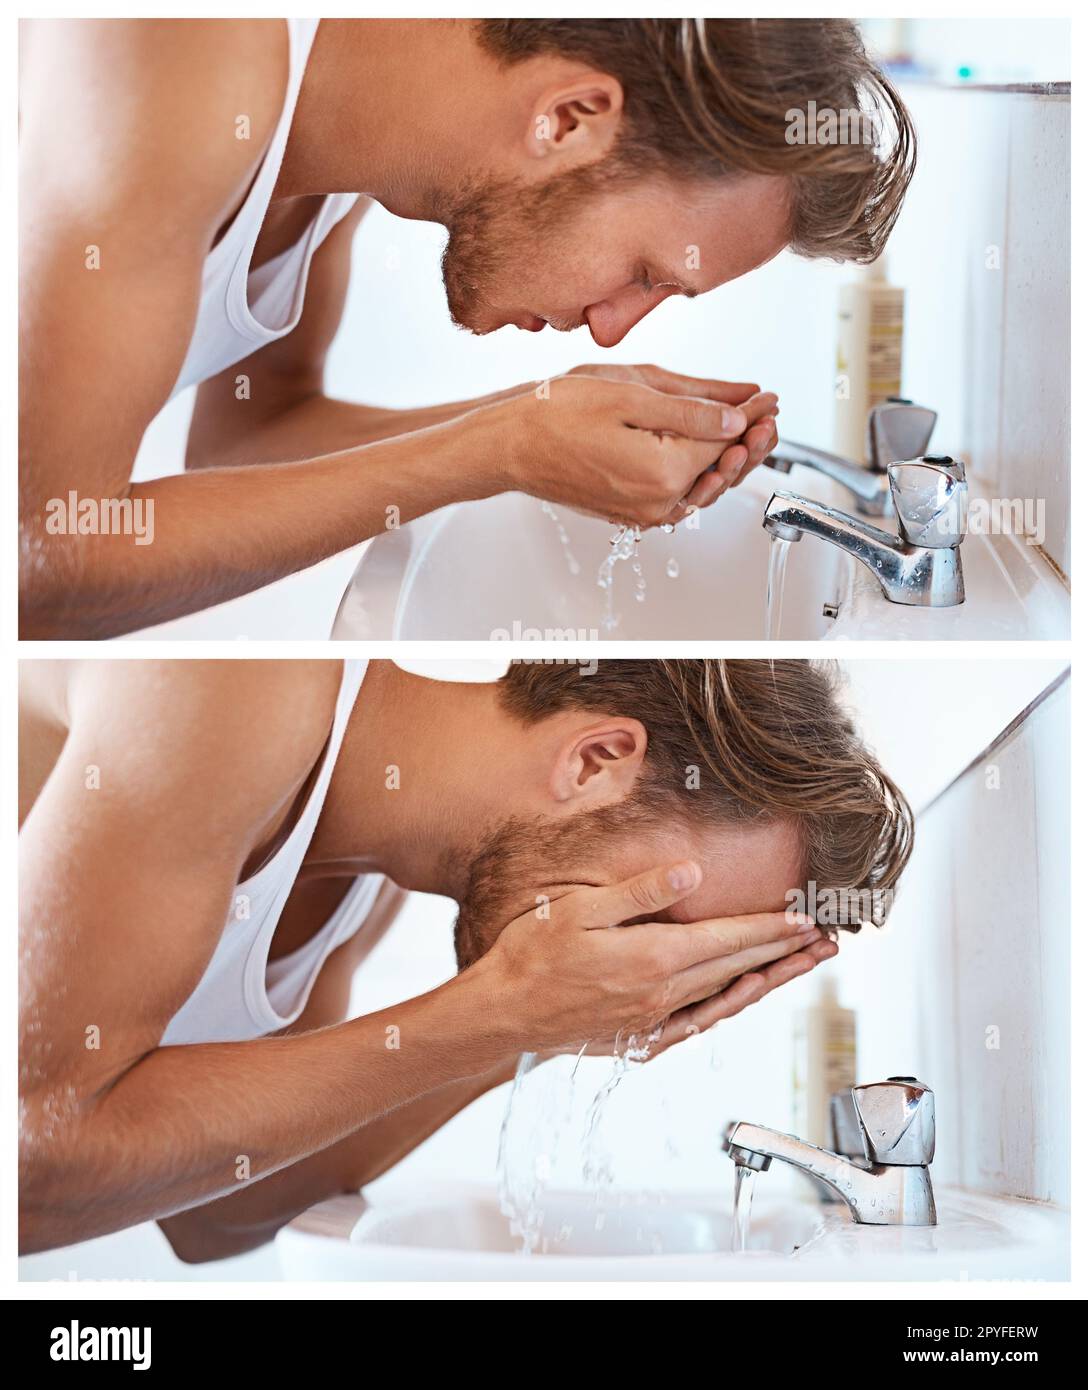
744	742
708	99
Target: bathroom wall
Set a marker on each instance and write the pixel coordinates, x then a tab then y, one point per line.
983	249
968	985
996	49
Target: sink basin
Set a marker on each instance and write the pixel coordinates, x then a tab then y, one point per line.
456	1232
496	570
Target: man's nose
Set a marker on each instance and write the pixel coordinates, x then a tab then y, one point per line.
610	320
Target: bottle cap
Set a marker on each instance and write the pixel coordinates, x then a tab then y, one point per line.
829	990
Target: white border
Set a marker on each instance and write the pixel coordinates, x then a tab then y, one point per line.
936	652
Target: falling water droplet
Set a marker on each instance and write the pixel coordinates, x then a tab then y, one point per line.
672	569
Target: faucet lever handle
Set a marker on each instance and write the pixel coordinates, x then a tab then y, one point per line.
898	429
930	499
897	1121
847	1137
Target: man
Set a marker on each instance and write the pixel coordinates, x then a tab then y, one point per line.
190	190
203	845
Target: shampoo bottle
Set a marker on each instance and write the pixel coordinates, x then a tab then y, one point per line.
868	356
824	1061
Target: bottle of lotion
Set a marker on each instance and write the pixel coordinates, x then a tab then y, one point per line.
868	356
824	1061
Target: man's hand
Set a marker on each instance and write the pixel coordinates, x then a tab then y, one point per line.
626	449
752	986
739	459
581	974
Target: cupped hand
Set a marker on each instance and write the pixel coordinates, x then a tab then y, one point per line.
741	457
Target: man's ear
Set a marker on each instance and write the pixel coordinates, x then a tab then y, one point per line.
575	121
598	765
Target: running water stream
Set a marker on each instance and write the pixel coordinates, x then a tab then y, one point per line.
776	587
743	1190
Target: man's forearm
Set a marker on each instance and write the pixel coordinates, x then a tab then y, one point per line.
247	1219
225	435
187	1125
222	532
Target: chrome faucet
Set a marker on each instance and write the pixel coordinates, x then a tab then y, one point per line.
887	1132
919	563
898	429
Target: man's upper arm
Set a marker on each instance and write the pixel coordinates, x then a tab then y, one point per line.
128	165
286	370
129	857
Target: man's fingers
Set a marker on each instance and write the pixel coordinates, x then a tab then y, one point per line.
690	417
733	464
693	943
702	1016
699	981
648	892
750	988
761	441
743	992
729	392
710	485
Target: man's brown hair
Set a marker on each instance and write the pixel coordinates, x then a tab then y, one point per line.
770	741
710	98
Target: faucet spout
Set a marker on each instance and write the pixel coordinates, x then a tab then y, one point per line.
876	1194
868	489
890	1137
917	575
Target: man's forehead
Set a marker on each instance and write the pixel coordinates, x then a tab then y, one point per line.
734	228
745	871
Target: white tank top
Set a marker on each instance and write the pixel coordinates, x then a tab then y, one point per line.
242	994
242	310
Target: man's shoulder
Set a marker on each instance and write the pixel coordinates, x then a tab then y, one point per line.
242	730
188	105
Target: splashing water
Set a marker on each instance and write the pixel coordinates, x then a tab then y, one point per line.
640	581
743	1191
531	1136
525	1161
596	1162
776	588
623	546
564	538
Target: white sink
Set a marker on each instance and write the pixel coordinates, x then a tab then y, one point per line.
456	1232
496	570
